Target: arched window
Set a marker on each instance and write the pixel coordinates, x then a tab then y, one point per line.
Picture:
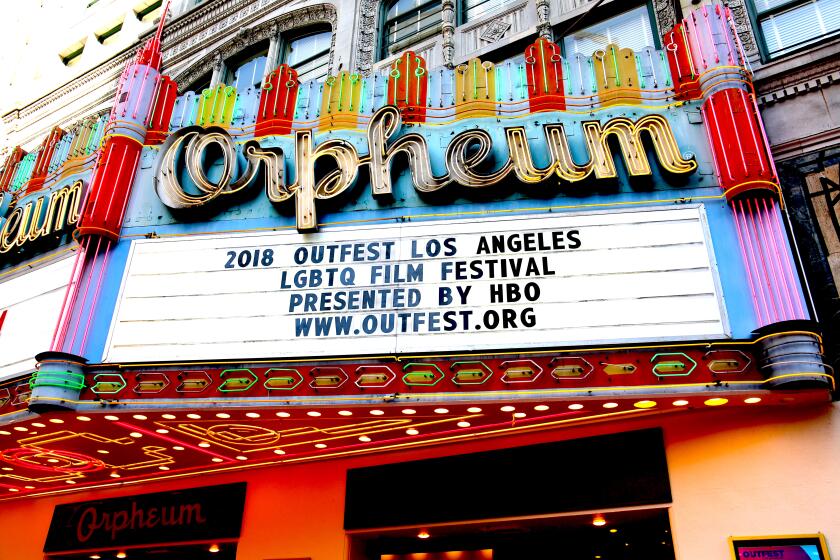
247	69
408	21
309	54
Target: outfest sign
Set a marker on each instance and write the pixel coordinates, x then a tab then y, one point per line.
466	157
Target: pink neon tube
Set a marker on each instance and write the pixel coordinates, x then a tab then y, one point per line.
747	267
753	252
775	264
788	266
763	257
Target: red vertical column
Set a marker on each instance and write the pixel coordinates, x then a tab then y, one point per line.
544	73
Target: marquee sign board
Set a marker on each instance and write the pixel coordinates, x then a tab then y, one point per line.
481	284
29	309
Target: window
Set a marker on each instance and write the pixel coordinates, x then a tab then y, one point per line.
472	10
148	10
409	21
309	55
108	31
73	53
247	70
787	25
631	29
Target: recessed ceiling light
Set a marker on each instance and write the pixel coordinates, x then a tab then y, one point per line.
364	439
168	416
717	401
21	429
5	433
29	487
112	418
473	410
163	468
162	431
241	458
423	535
541	408
463	424
412	432
82	418
313	413
38	425
139	417
441	410
752	400
680	402
56	420
279	452
345	413
70	481
204	444
115	475
283	414
103	451
136	434
320	445
377	412
216	460
252	414
177	448
508	408
575	406
223	415
409	411
194	416
599	521
14	489
519	415
610	405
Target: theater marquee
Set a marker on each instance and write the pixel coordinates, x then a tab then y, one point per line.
513	282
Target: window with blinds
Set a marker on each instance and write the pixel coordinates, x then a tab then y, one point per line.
248	73
407	22
787	25
630	29
309	55
472	10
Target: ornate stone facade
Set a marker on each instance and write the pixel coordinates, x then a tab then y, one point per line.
245	37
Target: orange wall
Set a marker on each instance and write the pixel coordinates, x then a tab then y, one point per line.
748	472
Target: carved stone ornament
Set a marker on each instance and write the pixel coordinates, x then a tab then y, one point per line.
543	19
666	15
366	36
495	30
742	25
304	17
448	29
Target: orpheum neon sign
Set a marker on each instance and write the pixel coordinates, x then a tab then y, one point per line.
40	217
465	157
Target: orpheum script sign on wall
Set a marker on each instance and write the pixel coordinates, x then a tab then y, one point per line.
513	282
197	514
